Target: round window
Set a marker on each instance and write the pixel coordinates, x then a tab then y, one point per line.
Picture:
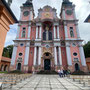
20	54
21	44
75	54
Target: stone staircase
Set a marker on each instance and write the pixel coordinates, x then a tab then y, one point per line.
47	72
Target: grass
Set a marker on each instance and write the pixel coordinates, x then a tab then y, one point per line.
5	72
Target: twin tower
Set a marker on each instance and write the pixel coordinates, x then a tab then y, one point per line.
48	42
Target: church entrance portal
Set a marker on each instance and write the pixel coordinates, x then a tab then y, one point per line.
47	64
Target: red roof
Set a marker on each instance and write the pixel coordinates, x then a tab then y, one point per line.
6	59
88	59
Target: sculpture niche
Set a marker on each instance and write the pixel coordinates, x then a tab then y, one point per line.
47	34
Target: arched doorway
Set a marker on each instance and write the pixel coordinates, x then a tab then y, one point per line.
47	61
6	68
19	66
77	67
2	67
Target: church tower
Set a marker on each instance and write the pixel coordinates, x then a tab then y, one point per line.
21	48
74	48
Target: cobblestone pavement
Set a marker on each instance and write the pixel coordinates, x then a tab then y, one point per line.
48	82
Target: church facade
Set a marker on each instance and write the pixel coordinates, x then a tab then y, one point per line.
48	42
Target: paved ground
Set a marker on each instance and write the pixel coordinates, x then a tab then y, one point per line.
48	82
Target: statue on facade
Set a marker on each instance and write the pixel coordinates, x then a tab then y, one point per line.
9	2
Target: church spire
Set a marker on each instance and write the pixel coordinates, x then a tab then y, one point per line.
67	3
28	3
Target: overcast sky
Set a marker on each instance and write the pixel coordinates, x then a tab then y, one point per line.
82	11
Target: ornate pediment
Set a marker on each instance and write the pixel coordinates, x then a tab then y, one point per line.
47	12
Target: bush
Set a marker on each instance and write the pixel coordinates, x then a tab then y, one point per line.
16	72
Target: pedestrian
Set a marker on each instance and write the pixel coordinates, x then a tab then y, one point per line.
59	72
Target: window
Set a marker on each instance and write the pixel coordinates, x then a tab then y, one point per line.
73	44
21	44
20	54
47	35
47	54
23	32
44	35
75	54
71	32
50	35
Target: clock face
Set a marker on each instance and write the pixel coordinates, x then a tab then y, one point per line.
69	12
26	13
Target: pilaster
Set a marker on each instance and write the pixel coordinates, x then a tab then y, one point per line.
68	52
14	54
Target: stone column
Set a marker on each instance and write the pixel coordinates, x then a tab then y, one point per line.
37	32
83	61
64	17
58	34
39	56
35	55
18	31
54	32
27	53
30	17
55	55
29	31
65	30
60	56
74	12
77	30
68	52
40	33
14	54
21	14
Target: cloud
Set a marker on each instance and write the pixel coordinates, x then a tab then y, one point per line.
11	35
82	11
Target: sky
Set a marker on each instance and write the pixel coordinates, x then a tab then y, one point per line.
82	12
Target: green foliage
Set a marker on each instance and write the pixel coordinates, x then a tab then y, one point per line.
5	72
87	49
16	72
7	51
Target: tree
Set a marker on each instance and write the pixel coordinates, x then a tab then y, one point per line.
9	2
7	51
87	49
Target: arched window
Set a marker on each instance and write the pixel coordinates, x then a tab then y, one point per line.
71	32
44	35
23	32
50	35
77	67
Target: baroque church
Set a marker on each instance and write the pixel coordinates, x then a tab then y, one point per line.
48	42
